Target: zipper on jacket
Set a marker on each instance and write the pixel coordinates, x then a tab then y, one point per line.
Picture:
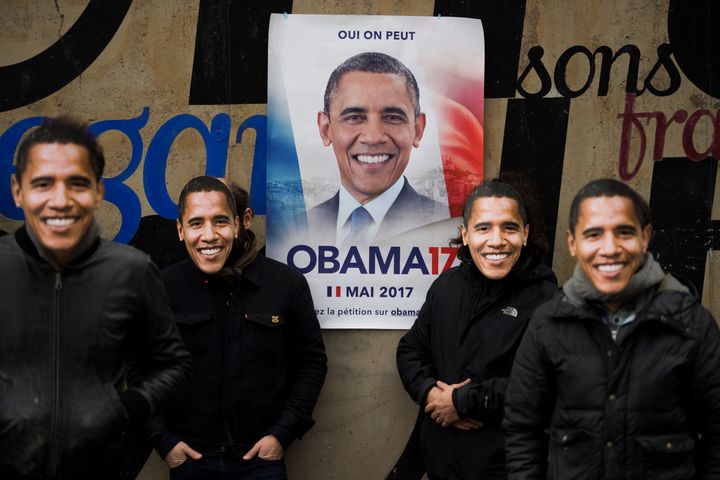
55	433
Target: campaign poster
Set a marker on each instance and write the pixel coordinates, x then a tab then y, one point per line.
375	137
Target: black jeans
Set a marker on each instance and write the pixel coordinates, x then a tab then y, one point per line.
229	468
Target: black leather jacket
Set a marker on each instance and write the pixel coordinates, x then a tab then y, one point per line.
67	337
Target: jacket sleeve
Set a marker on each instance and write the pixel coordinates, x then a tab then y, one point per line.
706	397
528	405
480	399
161	438
414	356
162	365
307	368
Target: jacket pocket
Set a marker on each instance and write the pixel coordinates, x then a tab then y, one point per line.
666	456
265	333
195	331
571	453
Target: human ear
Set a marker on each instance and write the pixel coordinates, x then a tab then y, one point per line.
323	121
420	122
178	225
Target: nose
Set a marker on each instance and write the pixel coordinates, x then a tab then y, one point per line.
608	247
373	132
496	238
208	233
59	198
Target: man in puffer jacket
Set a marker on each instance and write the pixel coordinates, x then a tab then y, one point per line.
618	376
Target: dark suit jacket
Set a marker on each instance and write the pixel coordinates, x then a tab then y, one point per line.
410	210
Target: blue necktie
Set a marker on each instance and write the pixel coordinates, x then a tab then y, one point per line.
360	221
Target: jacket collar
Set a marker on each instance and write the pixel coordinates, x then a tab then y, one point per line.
87	246
670	304
253	273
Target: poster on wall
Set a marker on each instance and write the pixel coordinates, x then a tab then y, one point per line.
375	137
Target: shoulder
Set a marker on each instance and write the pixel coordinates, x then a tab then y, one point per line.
7	243
276	270
410	198
329	205
683	305
452	283
177	271
450	276
540	279
10	252
556	306
124	255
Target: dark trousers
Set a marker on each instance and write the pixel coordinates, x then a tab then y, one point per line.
229	468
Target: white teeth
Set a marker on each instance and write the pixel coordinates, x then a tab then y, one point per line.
610	268
373	158
209	251
60	222
496	256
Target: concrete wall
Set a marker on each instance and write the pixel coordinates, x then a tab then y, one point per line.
552	109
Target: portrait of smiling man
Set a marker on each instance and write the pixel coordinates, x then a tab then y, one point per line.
372	120
618	375
75	312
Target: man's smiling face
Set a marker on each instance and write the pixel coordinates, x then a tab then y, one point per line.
208	228
609	242
59	193
372	128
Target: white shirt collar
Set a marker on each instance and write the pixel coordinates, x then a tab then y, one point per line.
377	208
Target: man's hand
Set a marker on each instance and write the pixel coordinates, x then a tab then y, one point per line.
179	453
439	403
468	424
267	448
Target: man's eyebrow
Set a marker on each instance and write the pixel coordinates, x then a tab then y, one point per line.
350	110
43	179
395	110
503	224
481	224
80	179
626	227
591	230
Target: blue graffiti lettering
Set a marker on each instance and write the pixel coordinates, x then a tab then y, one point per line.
216	140
216	149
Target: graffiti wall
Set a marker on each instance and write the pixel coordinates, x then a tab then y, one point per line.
574	91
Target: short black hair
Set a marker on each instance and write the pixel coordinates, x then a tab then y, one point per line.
205	183
241	196
373	62
518	187
64	130
609	187
494	188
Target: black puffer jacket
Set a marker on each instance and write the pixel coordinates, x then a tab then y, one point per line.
66	340
644	407
470	327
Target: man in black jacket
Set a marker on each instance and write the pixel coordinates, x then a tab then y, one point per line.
455	360
75	312
258	353
622	367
